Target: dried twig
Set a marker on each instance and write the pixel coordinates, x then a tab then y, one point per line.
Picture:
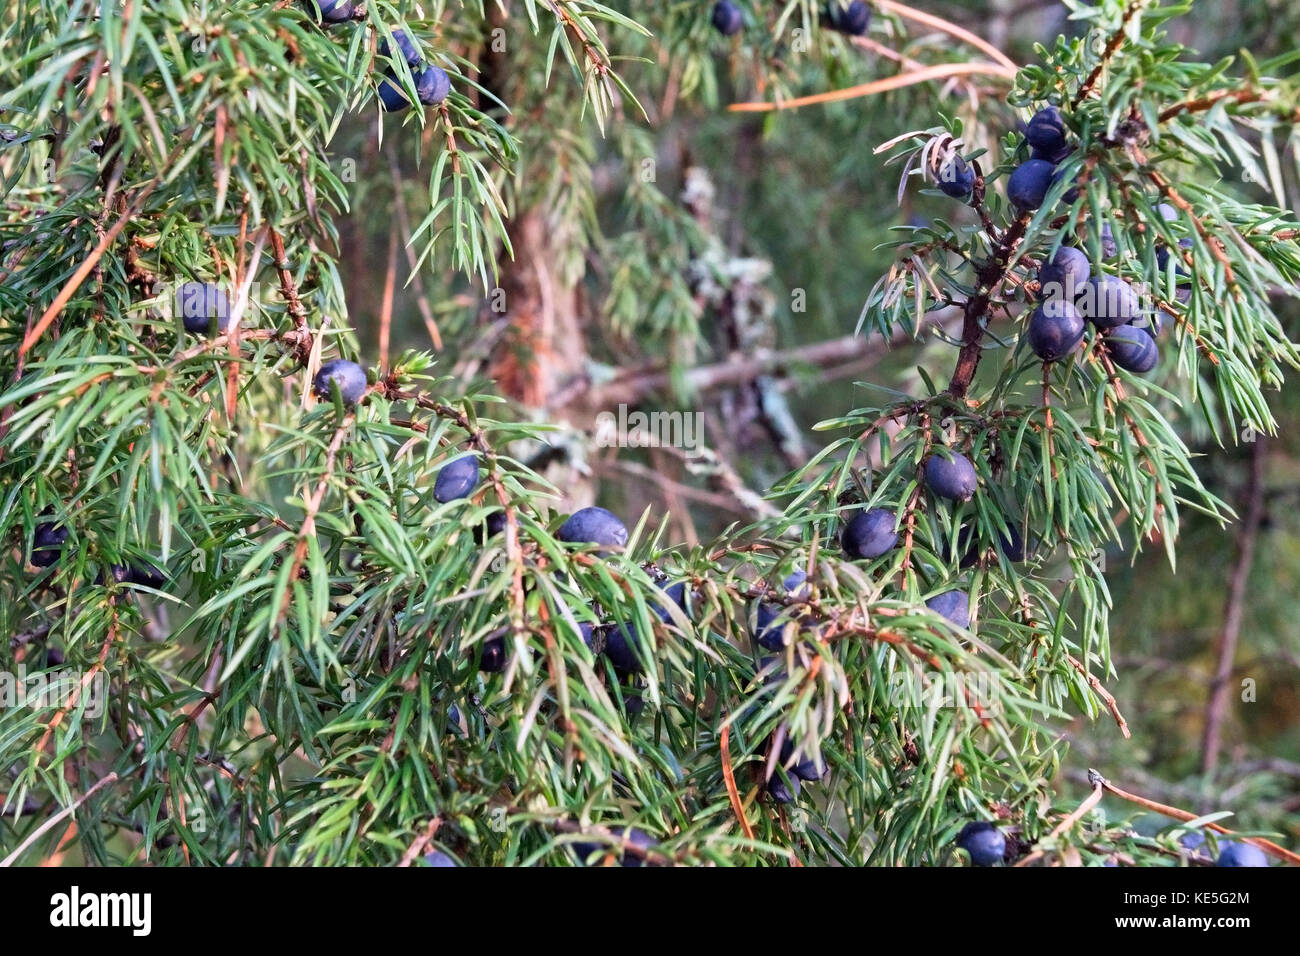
876	86
1101	692
1268	846
729	777
423	840
48	824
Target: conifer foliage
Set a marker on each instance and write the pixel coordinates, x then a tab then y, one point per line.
332	615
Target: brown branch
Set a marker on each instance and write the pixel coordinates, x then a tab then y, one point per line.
1049	428
839	630
1101	692
672	487
876	86
729	777
947	26
1169	192
1217	704
216	342
1180	318
87	266
651	856
48	824
109	639
386	304
444	115
514	551
287	287
991	273
243	280
879	49
28	808
636	384
1268	846
909	525
1089	802
27	637
1112	45
79	276
1208	101
314	503
1093	799
423	840
598	63
722	475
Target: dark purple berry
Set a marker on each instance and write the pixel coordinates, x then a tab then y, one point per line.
456	479
1154	322
336	11
1132	349
348	376
1055	330
727	18
201	305
852	18
621	643
769	632
143	572
492	655
675	594
1055	157
640	839
1027	187
1240	854
391	95
1010	545
953	606
781	791
406	45
1192	841
795	764
869	534
585	850
951	476
432	84
956	178
1065	276
1108	302
1072	194
1109	247
796	583
1046	131
492	526
985	843
593	526
48	538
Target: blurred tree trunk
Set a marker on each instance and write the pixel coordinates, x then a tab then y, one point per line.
543	348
